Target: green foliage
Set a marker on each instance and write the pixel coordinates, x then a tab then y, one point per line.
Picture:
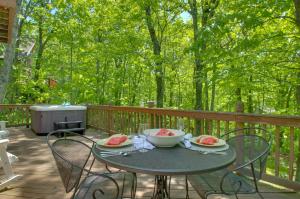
100	52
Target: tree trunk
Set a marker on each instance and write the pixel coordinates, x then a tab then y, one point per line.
239	103
118	81
213	90
198	66
159	76
26	11
297	12
297	15
104	81
71	71
196	50
39	51
42	40
298	94
98	81
208	9
206	88
239	108
9	56
250	99
298	110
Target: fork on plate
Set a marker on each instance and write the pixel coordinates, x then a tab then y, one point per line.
116	153
213	152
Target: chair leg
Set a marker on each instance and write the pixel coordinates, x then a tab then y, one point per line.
186	188
236	196
133	186
260	195
91	167
169	188
123	187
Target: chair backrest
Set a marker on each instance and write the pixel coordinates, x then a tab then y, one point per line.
252	147
71	152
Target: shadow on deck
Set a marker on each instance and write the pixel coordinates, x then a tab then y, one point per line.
40	179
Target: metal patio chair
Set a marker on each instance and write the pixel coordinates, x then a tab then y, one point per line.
252	148
72	154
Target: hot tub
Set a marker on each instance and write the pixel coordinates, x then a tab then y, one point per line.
44	117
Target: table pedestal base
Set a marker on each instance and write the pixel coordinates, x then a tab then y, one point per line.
162	187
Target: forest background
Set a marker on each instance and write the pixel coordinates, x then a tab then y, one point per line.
210	55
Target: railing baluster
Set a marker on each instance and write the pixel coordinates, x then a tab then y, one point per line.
136	116
292	154
149	120
218	128
28	119
159	121
209	127
195	131
189	124
202	126
128	122
138	122
264	126
110	123
227	128
277	150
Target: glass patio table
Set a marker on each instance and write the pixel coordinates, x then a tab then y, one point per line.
164	162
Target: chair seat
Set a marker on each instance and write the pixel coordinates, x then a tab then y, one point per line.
106	188
209	183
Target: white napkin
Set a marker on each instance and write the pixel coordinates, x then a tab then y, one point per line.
188	136
142	143
186	140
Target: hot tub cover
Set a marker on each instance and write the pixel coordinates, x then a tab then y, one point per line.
56	107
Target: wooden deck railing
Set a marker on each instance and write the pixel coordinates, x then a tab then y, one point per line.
285	153
286	131
15	114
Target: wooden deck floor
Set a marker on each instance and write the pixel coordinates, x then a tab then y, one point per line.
40	179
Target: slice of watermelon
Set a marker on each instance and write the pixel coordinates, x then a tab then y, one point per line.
165	132
116	140
207	140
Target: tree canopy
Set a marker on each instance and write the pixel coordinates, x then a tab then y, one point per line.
203	54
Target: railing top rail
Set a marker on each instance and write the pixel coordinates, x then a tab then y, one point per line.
279	120
14	105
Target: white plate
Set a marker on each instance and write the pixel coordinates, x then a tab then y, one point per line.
103	142
218	144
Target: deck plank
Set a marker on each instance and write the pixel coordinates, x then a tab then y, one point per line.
40	178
